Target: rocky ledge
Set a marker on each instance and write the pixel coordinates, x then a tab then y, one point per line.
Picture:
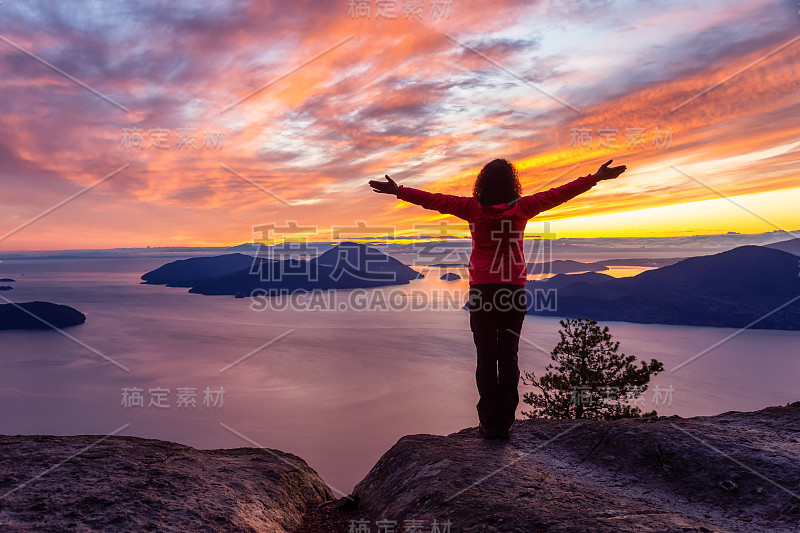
76	483
737	471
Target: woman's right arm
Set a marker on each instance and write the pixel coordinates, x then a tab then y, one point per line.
447	204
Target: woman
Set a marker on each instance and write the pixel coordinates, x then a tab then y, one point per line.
497	215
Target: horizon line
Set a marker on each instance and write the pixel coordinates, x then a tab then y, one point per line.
393	239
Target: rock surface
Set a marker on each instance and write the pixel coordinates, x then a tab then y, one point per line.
733	472
134	484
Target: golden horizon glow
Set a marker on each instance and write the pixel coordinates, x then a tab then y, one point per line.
321	120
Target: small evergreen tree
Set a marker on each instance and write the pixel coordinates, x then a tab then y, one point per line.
590	379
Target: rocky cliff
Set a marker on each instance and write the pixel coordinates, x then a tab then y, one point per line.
735	471
83	483
731	472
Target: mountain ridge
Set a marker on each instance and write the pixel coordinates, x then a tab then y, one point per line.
730	289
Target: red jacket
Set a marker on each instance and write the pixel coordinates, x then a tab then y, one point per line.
497	230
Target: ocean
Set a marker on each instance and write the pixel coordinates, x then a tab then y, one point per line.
336	382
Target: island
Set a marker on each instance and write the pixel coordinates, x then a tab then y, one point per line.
7	280
748	285
450	276
348	265
38	315
5	287
187	272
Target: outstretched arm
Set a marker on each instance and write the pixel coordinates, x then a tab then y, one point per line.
447	204
542	201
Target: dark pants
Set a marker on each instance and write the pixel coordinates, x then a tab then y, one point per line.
497	312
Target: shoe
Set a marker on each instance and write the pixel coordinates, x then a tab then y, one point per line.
504	434
486	433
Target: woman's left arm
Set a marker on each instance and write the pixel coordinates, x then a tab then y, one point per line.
542	201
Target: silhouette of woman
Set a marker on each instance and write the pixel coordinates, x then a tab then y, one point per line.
497	215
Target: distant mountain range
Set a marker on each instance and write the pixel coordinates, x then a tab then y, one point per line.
729	289
345	266
792	246
566	266
686	246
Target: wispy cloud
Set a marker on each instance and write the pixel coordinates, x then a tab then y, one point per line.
397	97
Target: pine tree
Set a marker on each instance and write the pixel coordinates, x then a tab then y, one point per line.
590	379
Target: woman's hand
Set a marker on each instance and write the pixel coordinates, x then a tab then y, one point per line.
605	173
385	187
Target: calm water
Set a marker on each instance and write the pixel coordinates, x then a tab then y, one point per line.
338	389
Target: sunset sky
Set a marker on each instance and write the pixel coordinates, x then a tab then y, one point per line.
294	106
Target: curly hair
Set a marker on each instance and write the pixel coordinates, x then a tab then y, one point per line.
497	183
